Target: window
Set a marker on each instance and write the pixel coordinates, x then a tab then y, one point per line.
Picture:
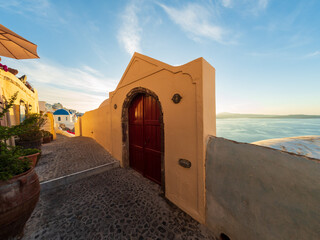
22	111
59	118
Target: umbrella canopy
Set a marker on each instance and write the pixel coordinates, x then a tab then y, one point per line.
14	46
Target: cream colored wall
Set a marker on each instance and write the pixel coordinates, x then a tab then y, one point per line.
96	124
64	118
9	85
77	128
42	106
255	192
50	125
186	125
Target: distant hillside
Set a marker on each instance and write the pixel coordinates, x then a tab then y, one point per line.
56	106
239	115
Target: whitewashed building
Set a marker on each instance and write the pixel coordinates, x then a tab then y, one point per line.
62	116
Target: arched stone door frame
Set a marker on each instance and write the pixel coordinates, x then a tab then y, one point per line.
125	128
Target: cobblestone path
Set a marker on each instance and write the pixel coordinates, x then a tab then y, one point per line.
66	155
118	204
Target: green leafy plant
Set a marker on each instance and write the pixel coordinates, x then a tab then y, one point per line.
46	133
30	127
10	163
6	107
7	132
28	151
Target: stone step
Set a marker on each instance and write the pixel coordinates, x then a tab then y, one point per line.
60	181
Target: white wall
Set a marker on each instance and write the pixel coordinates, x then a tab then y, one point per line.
255	192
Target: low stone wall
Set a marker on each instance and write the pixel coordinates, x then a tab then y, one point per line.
254	192
64	133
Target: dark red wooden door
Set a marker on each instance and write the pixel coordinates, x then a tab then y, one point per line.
145	137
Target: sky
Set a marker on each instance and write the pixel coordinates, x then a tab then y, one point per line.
266	52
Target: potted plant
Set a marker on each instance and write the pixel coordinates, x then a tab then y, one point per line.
32	154
46	136
31	135
19	183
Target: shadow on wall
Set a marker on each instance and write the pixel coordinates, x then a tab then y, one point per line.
255	192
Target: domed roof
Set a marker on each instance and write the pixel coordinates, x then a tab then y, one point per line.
61	112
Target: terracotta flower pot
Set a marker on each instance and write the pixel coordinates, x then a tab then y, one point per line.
33	158
18	198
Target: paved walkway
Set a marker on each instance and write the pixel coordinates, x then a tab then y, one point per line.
65	155
117	204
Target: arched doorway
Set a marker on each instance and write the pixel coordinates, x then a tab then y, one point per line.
145	137
130	101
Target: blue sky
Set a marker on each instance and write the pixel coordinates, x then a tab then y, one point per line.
266	52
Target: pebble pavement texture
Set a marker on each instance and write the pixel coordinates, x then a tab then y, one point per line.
117	204
66	155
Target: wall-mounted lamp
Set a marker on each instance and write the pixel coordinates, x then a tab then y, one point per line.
30	107
115	106
176	98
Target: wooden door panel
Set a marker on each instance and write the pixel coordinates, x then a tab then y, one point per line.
136	141
152	137
145	137
151	110
153	165
136	135
136	158
136	111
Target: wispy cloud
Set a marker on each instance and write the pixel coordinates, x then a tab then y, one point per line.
251	6
39	10
195	20
78	88
262	4
38	7
256	7
313	54
130	31
226	3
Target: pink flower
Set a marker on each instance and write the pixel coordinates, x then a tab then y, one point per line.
4	67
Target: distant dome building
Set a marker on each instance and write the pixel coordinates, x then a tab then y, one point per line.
62	116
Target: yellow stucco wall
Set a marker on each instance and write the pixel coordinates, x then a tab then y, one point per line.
49	125
9	85
187	125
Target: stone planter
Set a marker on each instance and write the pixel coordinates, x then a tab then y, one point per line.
46	139
33	158
30	144
18	198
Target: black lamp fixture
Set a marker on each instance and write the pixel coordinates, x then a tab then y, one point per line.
176	98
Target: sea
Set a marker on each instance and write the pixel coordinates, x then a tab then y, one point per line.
255	129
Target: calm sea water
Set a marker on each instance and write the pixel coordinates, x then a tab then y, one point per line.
251	130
